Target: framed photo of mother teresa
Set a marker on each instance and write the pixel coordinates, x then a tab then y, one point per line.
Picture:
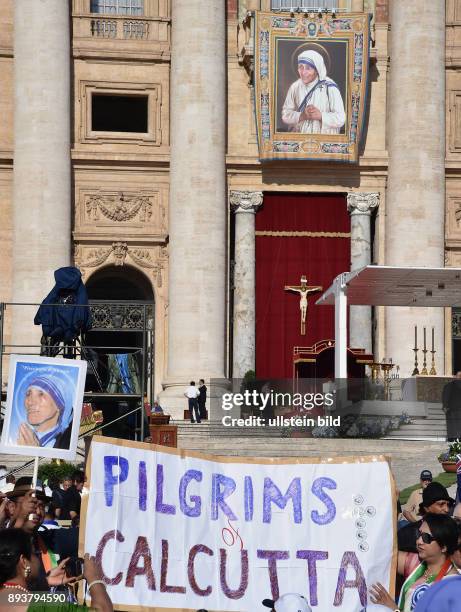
43	406
311	75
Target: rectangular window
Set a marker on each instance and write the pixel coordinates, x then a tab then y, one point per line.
112	113
118	7
288	5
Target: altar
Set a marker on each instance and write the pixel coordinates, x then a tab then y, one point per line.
424	388
318	361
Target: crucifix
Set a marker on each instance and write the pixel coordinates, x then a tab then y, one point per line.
303	289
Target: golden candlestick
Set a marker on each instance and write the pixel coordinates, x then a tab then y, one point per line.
424	371
415	371
432	371
415	350
386	367
375	367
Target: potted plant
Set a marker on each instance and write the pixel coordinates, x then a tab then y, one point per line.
449	458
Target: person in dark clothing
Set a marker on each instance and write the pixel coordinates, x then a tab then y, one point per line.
20	569
436	501
27	512
65	322
59	499
451	401
74	494
202	398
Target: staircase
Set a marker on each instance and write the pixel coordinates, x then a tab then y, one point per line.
14	461
433	427
408	457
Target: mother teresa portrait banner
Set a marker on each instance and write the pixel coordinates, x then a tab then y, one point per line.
310	85
174	529
43	406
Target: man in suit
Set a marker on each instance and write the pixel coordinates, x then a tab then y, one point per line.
202	398
451	400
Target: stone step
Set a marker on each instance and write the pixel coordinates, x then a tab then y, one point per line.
13	461
425	423
298	443
26	463
408	457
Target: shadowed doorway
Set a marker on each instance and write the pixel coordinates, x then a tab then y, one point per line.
122	337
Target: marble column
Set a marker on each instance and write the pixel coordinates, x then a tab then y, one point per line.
198	199
42	166
360	207
415	199
244	204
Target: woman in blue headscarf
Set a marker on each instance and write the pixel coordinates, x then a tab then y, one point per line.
313	104
48	420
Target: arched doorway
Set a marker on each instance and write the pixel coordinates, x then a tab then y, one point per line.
119	283
123	308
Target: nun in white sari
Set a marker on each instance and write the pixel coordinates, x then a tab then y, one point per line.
313	104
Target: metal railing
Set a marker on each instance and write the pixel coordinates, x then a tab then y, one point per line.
305	5
130	28
109	317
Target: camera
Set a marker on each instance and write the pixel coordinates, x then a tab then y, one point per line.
74	567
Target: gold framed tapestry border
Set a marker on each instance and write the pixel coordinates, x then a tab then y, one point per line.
320	119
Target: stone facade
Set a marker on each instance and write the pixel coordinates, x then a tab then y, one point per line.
120	199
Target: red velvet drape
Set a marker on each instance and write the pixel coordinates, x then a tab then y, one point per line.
281	261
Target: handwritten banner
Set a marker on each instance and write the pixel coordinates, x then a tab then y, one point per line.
173	529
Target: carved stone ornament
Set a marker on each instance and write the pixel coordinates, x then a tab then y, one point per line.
144	258
458	216
119	208
245	201
94	257
120	250
362	203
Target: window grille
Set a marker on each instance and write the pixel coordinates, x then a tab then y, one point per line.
118	7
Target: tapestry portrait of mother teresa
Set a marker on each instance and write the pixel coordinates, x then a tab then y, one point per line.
44	403
314	102
311	80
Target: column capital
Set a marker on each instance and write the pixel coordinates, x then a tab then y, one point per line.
359	203
245	201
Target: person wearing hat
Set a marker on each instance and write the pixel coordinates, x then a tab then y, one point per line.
313	104
26	508
411	509
46	415
290	602
435	500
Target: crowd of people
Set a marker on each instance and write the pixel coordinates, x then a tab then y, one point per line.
38	556
429	549
429	557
